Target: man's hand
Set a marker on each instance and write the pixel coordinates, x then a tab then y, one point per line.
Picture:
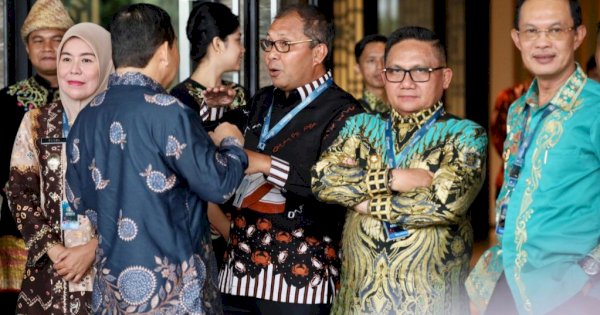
404	180
221	96
219	221
225	130
75	261
363	207
258	163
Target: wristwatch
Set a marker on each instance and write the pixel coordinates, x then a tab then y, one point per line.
590	266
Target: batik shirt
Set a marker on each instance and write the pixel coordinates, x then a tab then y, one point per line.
424	272
189	92
372	104
292	256
35	191
142	168
15	101
553	217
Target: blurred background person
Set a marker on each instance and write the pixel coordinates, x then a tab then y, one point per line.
369	53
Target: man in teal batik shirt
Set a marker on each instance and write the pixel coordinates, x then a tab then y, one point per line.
547	258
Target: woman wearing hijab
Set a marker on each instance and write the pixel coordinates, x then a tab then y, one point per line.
61	247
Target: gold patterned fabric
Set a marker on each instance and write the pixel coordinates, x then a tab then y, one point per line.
372	104
424	272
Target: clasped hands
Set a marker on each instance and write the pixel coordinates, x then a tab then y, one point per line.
402	180
72	263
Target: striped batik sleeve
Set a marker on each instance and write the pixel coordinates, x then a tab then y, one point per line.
279	172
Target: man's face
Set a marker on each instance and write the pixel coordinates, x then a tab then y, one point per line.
370	65
41	48
546	58
294	68
409	97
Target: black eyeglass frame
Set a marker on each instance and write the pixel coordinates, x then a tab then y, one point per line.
267	45
428	70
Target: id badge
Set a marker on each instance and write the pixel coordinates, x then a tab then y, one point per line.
68	217
394	231
501	219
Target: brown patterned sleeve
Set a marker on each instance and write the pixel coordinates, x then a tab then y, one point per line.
24	195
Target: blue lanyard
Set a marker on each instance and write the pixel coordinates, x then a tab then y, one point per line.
524	142
393	159
267	133
514	169
66	127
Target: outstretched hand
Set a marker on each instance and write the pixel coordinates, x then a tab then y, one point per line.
221	96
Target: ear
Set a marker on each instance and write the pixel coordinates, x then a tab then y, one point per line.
163	54
319	53
446	77
217	44
357	69
580	33
514	34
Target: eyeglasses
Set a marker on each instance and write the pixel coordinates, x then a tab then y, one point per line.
282	46
420	75
553	33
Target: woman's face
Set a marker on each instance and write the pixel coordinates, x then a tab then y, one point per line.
234	51
78	69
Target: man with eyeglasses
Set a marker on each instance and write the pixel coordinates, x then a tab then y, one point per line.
547	260
283	253
408	180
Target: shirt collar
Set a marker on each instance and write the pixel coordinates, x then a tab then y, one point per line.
418	118
565	97
43	82
306	89
135	78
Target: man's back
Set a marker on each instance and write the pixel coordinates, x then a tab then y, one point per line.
142	167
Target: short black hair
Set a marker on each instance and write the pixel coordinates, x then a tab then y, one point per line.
360	46
137	31
417	33
574	7
316	25
598	29
207	21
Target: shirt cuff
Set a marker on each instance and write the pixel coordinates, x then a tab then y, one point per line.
377	182
279	172
231	141
380	207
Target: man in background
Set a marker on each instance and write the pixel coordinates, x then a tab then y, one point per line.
369	53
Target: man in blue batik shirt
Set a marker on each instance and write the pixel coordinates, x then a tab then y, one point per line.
142	168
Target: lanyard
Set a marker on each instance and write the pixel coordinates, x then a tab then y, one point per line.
524	142
393	159
66	126
515	168
268	133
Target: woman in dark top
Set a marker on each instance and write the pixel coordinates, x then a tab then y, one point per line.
215	39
